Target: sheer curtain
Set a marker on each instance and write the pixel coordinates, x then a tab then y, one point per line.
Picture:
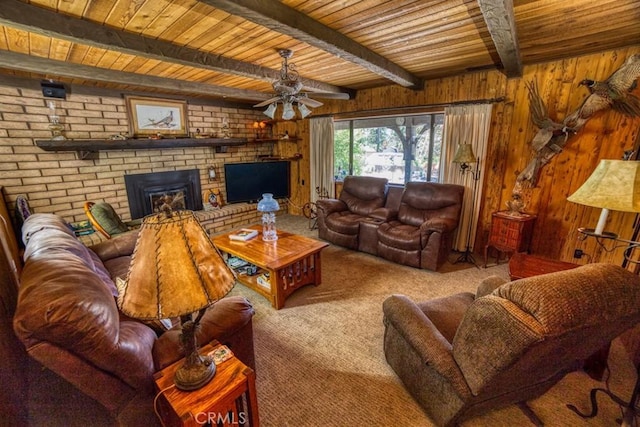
466	124
321	156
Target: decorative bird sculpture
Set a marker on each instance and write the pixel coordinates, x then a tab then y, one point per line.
615	93
547	142
547	127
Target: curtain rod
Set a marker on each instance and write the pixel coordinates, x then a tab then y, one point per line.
413	107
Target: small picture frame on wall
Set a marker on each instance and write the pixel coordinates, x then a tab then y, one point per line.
156	117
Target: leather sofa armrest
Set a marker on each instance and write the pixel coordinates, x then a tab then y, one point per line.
439	225
328	206
384	214
109	390
121	245
224	320
416	328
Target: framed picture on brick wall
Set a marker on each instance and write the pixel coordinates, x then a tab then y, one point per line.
156	116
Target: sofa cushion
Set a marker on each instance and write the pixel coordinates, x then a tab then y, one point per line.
589	302
344	222
400	236
422	201
63	302
44	234
363	194
446	313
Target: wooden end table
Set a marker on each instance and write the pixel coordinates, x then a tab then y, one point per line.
509	233
229	399
291	262
523	265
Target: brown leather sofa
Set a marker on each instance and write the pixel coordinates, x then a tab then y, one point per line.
411	225
68	321
465	354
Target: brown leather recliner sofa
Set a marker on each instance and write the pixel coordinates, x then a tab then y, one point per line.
411	225
68	320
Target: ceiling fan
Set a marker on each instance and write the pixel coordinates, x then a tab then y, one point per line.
288	91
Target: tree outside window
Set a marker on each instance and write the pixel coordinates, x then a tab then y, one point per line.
399	148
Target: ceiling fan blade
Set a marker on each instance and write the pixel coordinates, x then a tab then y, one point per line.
330	95
310	102
267	102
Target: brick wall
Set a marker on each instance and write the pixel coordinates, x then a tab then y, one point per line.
60	183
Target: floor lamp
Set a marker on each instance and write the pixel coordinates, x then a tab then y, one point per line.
613	186
464	156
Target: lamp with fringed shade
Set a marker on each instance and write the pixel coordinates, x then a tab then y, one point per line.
176	271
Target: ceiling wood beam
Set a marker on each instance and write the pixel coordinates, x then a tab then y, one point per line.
17	14
278	17
50	67
500	20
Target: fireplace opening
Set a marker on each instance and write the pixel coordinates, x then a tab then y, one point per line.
145	190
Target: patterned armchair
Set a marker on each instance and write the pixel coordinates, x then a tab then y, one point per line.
466	354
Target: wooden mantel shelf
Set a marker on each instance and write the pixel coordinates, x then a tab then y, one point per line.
85	146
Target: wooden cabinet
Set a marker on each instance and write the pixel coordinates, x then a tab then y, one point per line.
229	399
509	233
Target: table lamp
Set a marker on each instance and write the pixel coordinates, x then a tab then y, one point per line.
175	272
613	185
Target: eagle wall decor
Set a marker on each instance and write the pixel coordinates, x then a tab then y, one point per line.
614	93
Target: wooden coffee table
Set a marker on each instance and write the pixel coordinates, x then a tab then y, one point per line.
291	262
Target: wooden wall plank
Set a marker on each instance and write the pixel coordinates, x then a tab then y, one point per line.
606	135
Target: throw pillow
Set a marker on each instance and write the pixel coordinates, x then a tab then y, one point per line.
107	217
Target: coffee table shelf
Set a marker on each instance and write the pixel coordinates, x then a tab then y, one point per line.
292	261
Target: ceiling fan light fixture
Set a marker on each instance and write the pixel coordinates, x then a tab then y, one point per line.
287	111
271	110
304	111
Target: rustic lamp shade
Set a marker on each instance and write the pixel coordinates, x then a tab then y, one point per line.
464	155
176	271
613	185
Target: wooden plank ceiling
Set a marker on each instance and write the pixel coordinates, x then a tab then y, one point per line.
228	48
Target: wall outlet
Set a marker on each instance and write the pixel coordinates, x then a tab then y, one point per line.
577	253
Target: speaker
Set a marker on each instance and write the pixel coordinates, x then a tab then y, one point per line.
53	90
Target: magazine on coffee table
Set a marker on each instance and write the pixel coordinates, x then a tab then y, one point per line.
244	234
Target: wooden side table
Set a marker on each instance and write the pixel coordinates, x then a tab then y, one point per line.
509	233
228	400
523	265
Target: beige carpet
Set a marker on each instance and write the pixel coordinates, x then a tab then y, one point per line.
320	360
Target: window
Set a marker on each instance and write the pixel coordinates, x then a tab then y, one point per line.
399	148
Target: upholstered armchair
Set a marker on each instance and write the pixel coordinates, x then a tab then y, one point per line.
466	354
422	234
339	219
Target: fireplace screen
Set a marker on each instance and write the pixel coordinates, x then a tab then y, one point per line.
147	192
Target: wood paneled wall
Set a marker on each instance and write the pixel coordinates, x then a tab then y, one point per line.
606	136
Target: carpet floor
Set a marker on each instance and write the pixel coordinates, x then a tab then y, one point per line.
320	359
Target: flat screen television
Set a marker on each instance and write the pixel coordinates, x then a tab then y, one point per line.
246	182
